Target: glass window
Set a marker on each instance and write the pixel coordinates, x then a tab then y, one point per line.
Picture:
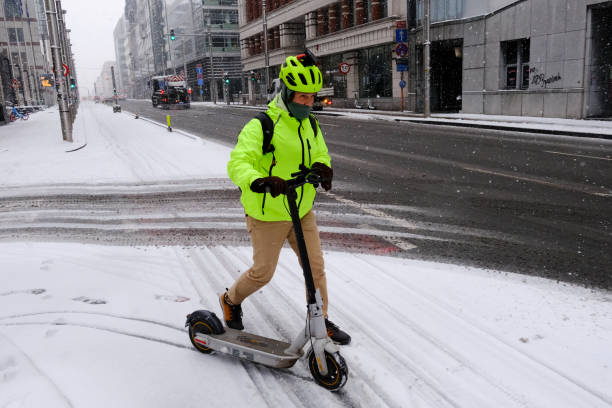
332	76
440	10
13	8
515	56
15	34
375	72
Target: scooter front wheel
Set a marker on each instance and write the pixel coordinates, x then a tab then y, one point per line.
337	371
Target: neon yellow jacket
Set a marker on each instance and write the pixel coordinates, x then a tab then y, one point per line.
294	143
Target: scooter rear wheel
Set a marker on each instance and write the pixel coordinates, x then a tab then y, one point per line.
337	371
199	327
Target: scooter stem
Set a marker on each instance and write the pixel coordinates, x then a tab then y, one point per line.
299	237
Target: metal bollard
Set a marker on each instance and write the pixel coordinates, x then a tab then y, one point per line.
169	125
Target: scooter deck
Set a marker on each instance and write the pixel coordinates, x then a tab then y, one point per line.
251	347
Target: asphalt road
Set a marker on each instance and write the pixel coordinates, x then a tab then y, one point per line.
518	202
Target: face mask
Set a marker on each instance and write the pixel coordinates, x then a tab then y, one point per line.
298	110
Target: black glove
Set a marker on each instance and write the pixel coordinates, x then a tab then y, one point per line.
326	174
273	185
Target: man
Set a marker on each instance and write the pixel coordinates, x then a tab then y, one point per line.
296	141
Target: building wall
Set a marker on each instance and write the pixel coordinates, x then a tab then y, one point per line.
361	33
26	61
558	32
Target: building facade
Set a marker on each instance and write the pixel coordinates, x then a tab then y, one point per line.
217	49
144	46
104	83
360	33
550	58
122	57
23	54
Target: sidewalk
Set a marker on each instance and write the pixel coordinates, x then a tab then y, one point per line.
553	126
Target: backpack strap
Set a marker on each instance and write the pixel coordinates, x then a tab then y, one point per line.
268	131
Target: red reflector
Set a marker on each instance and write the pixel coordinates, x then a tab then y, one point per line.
199	341
162	91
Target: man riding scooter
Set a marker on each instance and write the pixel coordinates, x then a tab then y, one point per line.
261	173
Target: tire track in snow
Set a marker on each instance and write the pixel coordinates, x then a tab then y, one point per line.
136	319
36	368
101	328
501	347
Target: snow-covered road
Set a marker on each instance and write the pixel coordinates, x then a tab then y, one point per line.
87	325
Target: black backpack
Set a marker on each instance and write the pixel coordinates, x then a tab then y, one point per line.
268	130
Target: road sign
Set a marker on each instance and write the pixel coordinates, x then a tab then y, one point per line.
200	81
402	84
66	70
401	35
344	68
15	83
400	24
401	50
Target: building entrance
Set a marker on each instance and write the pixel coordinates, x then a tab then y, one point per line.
446	75
600	91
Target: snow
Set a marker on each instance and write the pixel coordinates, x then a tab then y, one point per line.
85	325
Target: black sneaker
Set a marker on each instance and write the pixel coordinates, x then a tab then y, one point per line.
232	314
337	335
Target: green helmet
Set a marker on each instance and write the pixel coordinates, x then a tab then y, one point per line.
300	73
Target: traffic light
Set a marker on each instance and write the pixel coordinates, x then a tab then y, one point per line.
72	84
252	75
172	36
226	79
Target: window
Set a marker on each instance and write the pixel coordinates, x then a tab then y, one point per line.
224	17
375	72
440	10
13	8
15	34
515	56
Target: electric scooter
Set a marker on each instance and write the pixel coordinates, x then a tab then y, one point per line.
327	366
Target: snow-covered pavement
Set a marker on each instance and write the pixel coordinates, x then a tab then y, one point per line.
85	325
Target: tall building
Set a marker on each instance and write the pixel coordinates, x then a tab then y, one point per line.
104	83
122	57
360	33
550	58
147	49
216	45
23	57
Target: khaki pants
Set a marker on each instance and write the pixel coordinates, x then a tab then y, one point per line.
268	238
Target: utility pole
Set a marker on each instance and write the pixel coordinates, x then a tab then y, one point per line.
213	82
60	83
426	58
266	55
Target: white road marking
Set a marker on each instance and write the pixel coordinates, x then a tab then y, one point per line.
579	155
395	240
539	180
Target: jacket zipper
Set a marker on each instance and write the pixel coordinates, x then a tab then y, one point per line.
303	159
309	156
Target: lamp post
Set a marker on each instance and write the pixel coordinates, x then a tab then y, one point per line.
426	58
